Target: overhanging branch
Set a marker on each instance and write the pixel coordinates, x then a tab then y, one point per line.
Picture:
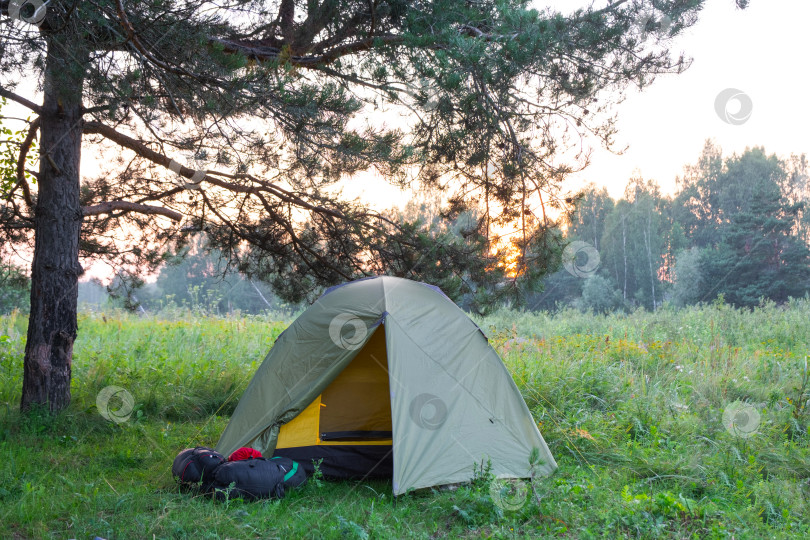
258	51
156	157
8	94
21	180
110	206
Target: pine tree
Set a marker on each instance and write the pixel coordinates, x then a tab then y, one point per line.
236	118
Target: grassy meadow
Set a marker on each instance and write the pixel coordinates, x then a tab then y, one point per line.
631	407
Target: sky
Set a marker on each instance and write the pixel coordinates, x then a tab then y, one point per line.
761	51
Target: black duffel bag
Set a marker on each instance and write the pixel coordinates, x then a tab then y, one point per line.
257	478
294	475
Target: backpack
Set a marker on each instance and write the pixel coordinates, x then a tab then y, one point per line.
197	465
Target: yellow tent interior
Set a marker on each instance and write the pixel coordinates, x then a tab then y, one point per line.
355	409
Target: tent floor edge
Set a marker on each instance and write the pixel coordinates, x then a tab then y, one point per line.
343	462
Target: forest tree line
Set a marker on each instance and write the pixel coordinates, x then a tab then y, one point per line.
736	228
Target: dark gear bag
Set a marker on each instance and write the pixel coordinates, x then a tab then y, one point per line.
257	478
294	476
196	465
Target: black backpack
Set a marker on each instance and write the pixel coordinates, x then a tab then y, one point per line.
194	466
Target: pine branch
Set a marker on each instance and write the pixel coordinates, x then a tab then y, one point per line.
110	206
156	157
8	94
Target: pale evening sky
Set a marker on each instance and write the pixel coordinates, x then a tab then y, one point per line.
760	51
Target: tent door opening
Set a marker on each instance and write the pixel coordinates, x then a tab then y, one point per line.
357	405
355	409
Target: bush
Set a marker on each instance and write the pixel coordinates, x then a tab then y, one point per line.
600	296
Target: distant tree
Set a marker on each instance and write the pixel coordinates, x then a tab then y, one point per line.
796	189
587	221
600	295
635	243
560	289
758	255
689	286
697	206
15	287
648	240
93	294
200	278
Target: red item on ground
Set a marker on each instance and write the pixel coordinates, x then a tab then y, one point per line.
244	453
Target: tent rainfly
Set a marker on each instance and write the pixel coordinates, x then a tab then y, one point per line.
387	377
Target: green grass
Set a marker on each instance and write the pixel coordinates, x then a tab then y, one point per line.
630	405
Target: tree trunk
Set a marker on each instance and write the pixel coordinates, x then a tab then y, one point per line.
55	270
624	252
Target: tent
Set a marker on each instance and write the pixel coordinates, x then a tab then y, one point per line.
387	377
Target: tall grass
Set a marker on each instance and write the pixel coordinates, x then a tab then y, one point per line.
630	405
181	368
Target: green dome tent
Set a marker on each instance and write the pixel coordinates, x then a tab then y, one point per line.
387	376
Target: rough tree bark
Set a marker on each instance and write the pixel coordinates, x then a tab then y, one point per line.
55	270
